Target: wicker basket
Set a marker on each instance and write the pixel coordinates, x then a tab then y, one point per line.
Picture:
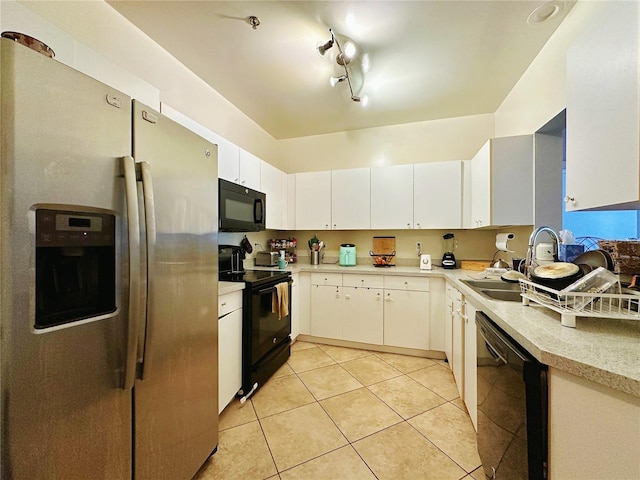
625	255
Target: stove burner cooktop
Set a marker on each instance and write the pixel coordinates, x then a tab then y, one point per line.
254	277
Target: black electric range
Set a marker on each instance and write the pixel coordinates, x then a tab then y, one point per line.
230	259
254	278
266	330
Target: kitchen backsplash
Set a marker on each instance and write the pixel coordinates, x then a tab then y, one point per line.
471	244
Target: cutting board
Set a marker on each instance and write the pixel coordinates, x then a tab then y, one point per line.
385	245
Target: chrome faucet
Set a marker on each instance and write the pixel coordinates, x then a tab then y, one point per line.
531	254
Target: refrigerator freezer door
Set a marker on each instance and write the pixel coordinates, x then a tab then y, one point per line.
64	413
176	411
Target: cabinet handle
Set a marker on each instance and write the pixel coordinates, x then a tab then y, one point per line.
570	200
408	225
335	226
326	225
418	225
223	304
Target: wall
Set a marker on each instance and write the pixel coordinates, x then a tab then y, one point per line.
102	29
438	140
540	94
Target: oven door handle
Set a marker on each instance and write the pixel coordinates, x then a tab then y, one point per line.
271	289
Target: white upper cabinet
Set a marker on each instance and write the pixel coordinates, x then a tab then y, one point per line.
481	187
249	170
290	203
467	221
351	199
313	200
271	181
603	136
228	161
437	195
392	197
502	182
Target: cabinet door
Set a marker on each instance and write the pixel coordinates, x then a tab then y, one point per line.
362	314
437	195
228	161
295	306
313	200
467	218
457	344
271	184
250	170
289	205
406	319
603	168
326	311
470	364
351	199
437	314
448	332
392	197
481	187
229	357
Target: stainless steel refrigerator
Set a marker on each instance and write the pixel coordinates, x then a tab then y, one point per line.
108	281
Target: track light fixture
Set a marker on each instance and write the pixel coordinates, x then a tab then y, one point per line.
343	59
336	80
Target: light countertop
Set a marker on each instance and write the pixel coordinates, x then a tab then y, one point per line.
602	350
229	287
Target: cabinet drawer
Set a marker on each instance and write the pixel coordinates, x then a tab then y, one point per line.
326	279
229	302
406	283
374	281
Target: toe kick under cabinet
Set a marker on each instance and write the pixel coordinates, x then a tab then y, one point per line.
388	310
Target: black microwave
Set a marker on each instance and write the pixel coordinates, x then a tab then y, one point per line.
241	209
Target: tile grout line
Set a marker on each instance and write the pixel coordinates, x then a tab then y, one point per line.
402	419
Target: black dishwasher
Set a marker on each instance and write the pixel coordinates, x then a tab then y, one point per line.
512	407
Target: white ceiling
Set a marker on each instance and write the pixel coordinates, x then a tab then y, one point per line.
427	59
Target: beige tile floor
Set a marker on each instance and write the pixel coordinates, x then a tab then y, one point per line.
333	413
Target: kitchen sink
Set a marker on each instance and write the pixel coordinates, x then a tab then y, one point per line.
505	295
496	289
492	285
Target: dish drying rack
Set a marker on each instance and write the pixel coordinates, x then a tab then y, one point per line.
582	304
382	259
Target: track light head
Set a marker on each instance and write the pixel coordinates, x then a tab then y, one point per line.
323	47
336	80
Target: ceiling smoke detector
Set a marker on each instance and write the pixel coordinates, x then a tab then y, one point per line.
544	12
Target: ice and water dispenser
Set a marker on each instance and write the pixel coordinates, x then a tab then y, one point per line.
75	266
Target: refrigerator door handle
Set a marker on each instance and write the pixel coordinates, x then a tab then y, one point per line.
150	223
133	220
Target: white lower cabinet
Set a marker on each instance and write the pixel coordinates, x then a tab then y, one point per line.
406	312
326	305
457	344
461	348
471	364
229	347
362	310
295	306
375	309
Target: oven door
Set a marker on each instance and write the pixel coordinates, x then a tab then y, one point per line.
267	330
241	209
